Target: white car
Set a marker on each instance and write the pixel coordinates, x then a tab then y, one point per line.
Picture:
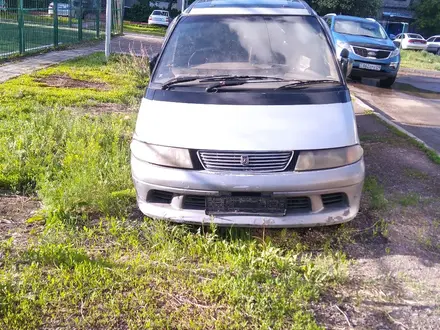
63	9
434	45
159	17
412	41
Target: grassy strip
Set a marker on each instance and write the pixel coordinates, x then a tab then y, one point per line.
420	60
155	30
93	266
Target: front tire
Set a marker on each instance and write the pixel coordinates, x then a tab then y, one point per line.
388	82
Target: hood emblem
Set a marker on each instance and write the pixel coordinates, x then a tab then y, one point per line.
372	54
244	160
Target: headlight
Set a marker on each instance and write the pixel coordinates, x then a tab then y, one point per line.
160	155
340	45
330	158
395	52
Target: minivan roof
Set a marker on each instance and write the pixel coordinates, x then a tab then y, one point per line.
249	7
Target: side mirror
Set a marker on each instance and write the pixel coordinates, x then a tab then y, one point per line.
152	62
392	36
345	62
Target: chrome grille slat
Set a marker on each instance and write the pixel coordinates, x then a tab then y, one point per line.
255	161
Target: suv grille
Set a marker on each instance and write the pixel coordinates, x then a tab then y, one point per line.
371	53
245	161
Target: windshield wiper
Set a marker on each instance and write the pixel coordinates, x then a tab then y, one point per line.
244	77
238	80
220	78
180	79
301	83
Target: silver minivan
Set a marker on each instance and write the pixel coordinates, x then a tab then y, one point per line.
248	121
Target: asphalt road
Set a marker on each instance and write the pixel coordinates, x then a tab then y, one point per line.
413	102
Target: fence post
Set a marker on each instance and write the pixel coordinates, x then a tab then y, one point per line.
21	46
70	13
98	12
55	23
122	15
80	22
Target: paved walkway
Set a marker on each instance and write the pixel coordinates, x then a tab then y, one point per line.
138	44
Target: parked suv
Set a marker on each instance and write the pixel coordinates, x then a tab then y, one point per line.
248	121
373	53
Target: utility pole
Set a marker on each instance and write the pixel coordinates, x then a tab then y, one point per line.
108	28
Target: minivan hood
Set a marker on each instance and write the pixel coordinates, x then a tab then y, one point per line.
246	127
364	41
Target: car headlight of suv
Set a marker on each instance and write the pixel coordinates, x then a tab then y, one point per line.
161	155
329	158
395	52
340	45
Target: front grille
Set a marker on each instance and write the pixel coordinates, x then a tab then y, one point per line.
333	200
160	196
193	202
299	204
371	53
245	161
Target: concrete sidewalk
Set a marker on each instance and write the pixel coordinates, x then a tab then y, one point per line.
127	43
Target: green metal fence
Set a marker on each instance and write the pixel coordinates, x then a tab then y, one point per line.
30	25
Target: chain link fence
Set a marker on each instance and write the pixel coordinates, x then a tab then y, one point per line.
31	25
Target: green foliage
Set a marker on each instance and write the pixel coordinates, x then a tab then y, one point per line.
155	30
375	192
124	274
360	8
49	144
420	60
427	16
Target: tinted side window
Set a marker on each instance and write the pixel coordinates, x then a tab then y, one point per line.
437	39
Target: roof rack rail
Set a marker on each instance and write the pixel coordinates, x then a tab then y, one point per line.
371	19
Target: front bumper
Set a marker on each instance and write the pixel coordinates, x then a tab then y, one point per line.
181	184
158	22
386	71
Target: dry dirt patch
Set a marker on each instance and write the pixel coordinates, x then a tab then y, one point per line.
14	211
65	81
394	282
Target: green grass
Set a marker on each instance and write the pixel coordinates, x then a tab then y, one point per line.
375	191
420	60
92	265
410	199
154	30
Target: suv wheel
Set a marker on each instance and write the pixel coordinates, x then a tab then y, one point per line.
388	82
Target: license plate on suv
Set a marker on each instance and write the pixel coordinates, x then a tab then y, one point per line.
368	66
245	205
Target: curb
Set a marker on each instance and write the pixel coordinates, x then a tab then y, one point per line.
365	106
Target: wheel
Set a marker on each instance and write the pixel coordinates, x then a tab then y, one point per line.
388	82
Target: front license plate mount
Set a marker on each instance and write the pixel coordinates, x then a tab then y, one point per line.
246	205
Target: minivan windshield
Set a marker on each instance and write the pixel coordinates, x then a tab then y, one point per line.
281	47
359	28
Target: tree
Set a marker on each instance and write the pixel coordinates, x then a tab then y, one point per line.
362	8
427	14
